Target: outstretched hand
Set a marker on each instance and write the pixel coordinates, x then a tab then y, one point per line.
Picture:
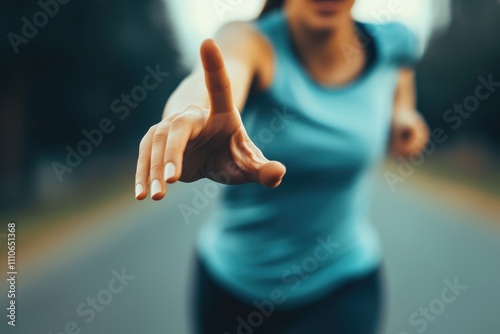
200	143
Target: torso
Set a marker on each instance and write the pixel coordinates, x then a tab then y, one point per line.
329	138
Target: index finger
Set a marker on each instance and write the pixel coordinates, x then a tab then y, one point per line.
216	78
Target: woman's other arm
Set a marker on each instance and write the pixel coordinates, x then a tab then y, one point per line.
409	130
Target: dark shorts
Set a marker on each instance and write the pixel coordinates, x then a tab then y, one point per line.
353	308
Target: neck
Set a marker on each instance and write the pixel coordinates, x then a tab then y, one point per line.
322	53
323	46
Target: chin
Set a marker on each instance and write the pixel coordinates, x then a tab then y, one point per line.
321	15
324	23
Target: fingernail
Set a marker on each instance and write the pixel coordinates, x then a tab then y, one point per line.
138	189
169	171
155	187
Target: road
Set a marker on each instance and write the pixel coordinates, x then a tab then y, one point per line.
428	244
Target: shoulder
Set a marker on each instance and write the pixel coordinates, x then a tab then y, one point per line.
262	33
242	36
396	43
243	41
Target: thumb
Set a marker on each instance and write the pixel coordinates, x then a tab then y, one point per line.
271	173
256	166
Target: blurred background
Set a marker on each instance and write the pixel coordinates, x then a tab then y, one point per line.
74	104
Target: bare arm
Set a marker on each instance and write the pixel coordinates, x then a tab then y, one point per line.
201	134
409	130
245	53
405	98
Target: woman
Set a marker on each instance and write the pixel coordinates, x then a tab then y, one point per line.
319	93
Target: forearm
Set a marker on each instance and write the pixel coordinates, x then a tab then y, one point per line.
241	48
405	97
409	130
190	92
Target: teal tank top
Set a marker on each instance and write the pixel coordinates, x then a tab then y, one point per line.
312	233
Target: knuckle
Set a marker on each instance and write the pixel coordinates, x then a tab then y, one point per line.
156	166
160	136
180	121
141	175
172	152
221	86
171	117
225	86
194	109
191	113
193	106
153	128
142	145
142	157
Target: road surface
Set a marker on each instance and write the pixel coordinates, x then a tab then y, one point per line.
134	262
